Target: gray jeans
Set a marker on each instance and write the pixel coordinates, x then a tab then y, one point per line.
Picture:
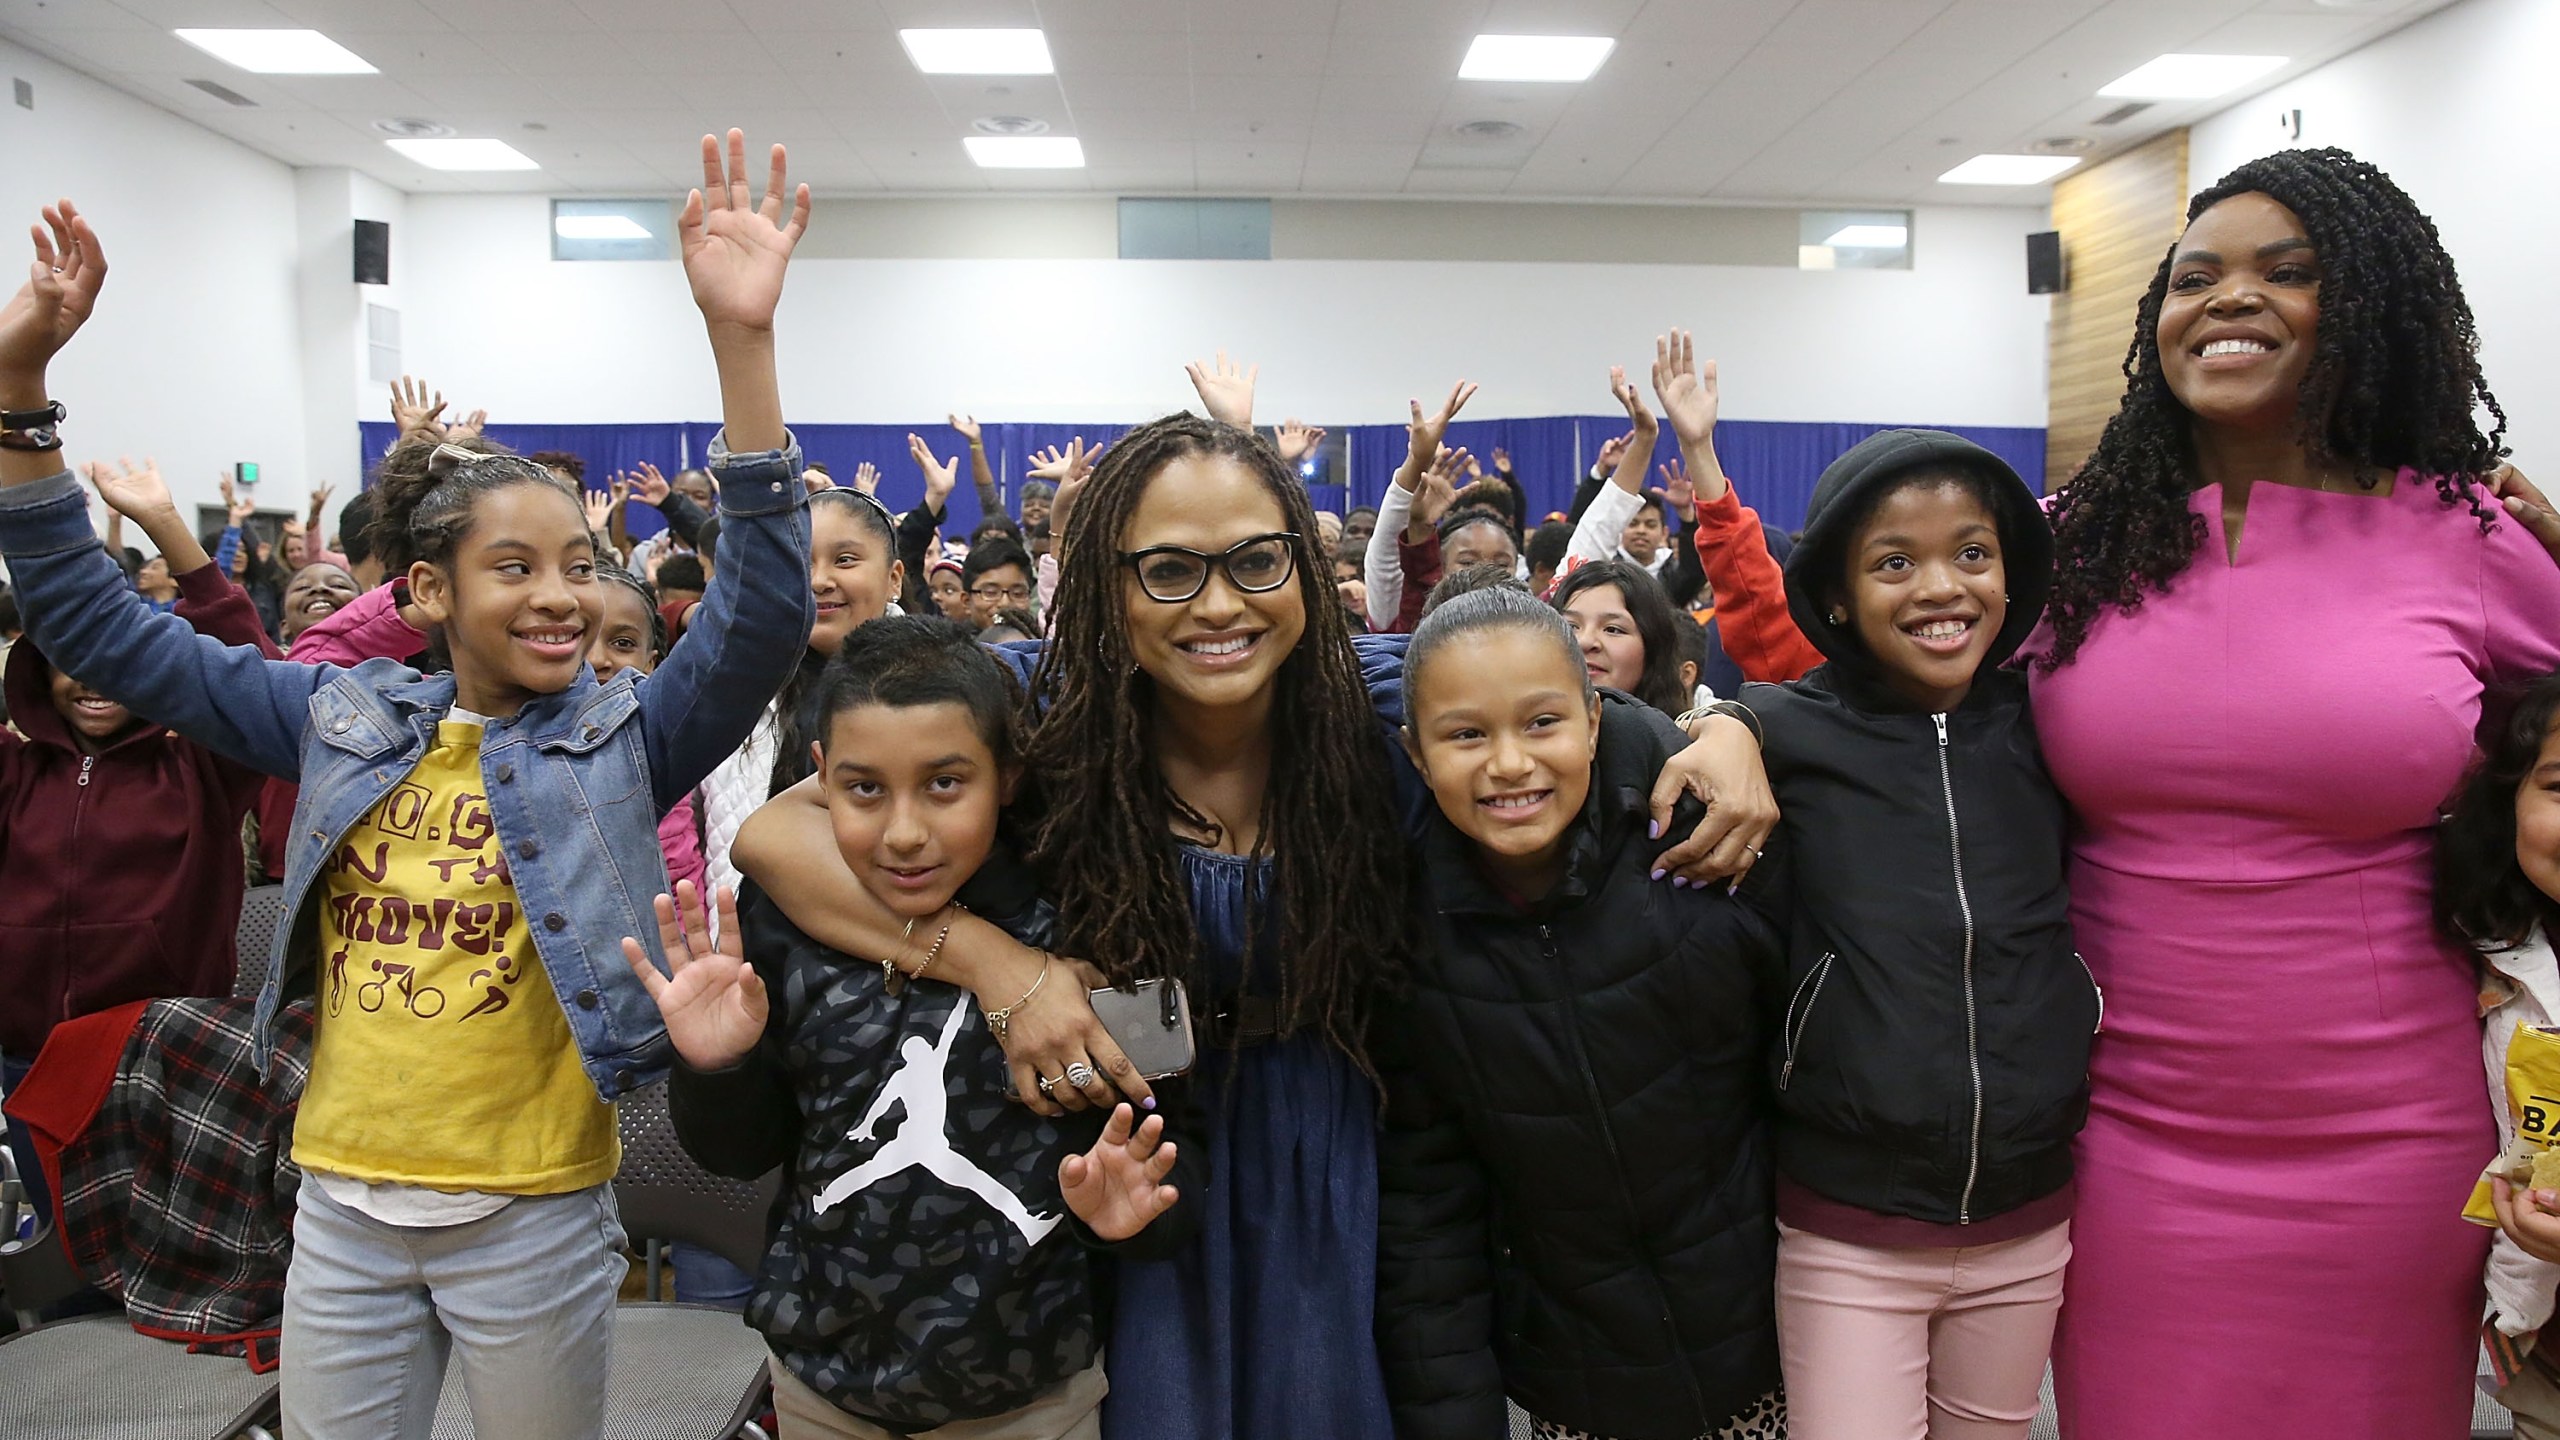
523	1299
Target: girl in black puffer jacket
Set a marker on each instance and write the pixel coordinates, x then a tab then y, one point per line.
1576	1207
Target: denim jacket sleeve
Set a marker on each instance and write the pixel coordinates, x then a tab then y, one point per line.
753	624
88	621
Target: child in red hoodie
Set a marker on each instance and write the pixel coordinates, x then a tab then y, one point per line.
120	856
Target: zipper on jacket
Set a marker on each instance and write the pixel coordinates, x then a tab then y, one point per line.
2095	989
1972	1031
1797	1022
87	764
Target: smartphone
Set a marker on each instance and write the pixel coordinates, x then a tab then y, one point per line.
1151	1021
245	474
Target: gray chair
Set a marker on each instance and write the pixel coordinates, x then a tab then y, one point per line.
95	1376
680	1372
261	912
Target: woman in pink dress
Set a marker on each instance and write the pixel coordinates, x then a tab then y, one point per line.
2281	601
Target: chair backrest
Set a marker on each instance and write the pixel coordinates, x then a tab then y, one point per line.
664	1195
261	912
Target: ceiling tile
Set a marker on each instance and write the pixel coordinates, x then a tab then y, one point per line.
1081	54
1296	57
39	16
339	18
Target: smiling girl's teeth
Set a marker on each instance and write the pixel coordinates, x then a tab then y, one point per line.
1219	647
1942	629
2236	347
1515	802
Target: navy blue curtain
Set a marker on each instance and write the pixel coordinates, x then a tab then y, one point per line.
1774	463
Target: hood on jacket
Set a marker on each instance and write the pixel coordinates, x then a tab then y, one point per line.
1847	491
29	687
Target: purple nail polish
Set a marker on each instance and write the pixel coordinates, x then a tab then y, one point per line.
1679	882
1149	1102
1653	831
1658	874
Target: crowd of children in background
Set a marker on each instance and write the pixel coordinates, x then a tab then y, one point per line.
1639	967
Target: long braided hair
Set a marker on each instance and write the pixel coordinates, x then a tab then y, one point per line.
1104	839
2394	380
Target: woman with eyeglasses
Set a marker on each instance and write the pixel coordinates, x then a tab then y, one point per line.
1214	799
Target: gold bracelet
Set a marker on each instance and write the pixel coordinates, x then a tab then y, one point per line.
1001	1021
894	980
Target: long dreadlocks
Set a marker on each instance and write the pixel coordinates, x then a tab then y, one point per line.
1104	841
2394	380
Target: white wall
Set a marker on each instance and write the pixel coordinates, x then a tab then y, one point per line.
2462	110
1956	340
192	357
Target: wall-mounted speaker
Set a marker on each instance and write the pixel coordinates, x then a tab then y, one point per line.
2044	263
373	252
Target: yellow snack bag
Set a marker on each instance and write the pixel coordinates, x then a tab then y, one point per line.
2533	1098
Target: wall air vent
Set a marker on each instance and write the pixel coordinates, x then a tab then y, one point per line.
2122	113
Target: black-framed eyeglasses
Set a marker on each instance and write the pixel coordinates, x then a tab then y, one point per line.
1172	574
1018	594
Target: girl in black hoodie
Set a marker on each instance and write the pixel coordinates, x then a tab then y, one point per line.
1933	1045
1575	1175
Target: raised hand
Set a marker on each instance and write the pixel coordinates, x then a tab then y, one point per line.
1686	388
1423	432
940	476
1067	469
1675	491
714	1003
1501	462
1117	1188
1638	413
817	480
649	485
468	427
320	503
599	506
969	428
866	478
736	248
61	291
1295	440
1226	391
412	413
1438	492
134	491
1614	449
240	506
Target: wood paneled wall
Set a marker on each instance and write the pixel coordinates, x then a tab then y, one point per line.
2116	221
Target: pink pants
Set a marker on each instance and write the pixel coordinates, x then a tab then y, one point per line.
1916	1344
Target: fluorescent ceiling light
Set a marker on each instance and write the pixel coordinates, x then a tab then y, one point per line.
1535	57
978	52
2192	77
1026	152
464	154
598	227
1869	237
2008	169
278	52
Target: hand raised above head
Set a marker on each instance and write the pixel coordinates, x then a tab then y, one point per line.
61	291
736	246
1226	389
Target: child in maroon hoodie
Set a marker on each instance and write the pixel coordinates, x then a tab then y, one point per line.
120	856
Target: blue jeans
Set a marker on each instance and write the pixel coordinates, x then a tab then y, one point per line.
22	1148
703	1278
523	1298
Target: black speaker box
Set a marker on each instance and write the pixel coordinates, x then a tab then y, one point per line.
2044	263
373	252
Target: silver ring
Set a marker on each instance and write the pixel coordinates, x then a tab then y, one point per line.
1047	1085
1754	849
1079	1075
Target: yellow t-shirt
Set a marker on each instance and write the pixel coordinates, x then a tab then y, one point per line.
442	1059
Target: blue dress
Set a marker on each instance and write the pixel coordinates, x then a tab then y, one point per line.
1262	1328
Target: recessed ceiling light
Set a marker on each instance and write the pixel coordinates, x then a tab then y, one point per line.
2008	169
464	154
1535	57
1025	152
1869	237
2191	77
978	52
278	52
598	227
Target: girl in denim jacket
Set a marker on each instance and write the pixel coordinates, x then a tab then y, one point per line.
468	851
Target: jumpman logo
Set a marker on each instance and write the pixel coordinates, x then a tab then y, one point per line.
921	1143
